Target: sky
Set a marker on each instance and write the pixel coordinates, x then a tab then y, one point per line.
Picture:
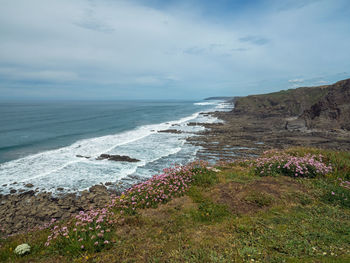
169	49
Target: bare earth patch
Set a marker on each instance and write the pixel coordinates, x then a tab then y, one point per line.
247	198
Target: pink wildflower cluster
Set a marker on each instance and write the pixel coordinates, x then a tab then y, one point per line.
91	230
306	166
87	229
160	188
343	183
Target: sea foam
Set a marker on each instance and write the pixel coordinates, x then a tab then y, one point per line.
61	168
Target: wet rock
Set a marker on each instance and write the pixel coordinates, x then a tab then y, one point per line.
29	185
81	156
172	131
118	158
108	183
97	189
60	188
12	191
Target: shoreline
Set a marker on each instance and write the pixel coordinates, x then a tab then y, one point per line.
29	208
244	135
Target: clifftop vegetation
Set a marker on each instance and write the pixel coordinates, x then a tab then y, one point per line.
260	210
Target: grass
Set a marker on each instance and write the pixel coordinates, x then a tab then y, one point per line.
307	222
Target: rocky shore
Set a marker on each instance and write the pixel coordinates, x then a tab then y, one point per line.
313	117
31	209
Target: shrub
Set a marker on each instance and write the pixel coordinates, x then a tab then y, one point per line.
88	231
161	188
22	249
285	164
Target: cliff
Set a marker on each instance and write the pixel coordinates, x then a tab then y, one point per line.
286	103
322	108
332	110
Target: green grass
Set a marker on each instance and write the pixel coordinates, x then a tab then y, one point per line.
260	199
307	225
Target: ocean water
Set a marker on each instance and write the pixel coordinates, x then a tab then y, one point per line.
40	141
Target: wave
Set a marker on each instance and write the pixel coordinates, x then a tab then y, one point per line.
62	166
205	103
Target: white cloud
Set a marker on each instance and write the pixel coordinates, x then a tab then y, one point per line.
296	81
125	44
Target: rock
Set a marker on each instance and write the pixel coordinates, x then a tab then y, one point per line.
29	185
81	156
4	185
97	189
60	188
172	131
295	124
108	183
118	158
332	111
12	191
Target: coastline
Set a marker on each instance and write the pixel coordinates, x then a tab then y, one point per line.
244	135
29	208
241	134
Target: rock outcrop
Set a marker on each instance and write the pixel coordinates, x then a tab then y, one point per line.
118	158
28	210
332	111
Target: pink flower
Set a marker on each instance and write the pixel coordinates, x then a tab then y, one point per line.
333	193
96	243
82	247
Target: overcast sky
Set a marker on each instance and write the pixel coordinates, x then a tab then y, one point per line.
167	49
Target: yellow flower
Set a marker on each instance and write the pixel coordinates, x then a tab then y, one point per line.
86	257
122	196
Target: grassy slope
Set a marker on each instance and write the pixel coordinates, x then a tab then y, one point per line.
231	216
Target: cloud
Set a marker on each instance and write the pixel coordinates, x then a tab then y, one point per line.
122	48
256	40
296	80
296	4
38	75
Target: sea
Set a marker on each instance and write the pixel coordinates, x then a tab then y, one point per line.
42	143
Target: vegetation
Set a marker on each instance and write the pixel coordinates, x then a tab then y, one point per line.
230	213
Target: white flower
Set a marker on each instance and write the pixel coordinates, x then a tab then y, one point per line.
22	249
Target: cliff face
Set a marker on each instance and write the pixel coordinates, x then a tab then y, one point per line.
284	103
321	108
332	111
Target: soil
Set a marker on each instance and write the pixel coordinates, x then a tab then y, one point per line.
249	198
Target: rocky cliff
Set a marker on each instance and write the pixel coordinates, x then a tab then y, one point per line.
307	108
285	103
332	111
